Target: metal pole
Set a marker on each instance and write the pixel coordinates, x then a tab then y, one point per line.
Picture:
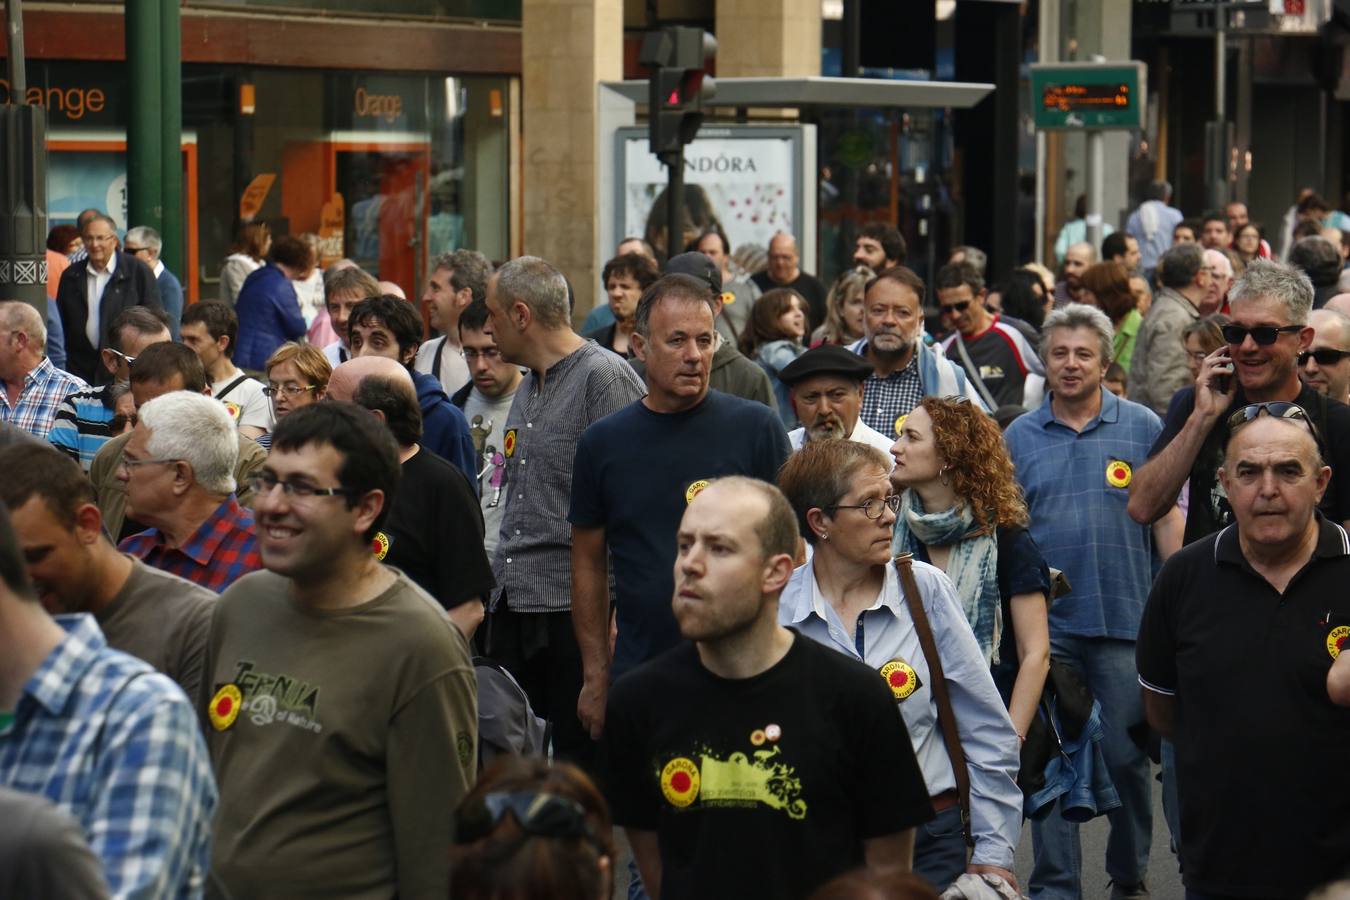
1220	69
171	138
18	78
1096	148
145	167
674	202
1047	50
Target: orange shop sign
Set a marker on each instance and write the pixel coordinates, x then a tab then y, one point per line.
72	102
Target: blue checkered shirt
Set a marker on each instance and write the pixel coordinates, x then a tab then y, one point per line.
1076	490
116	745
43	390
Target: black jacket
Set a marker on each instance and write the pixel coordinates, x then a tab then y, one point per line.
132	284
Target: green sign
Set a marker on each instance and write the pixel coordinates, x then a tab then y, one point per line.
1088	96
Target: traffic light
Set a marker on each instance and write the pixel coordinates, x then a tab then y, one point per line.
677	58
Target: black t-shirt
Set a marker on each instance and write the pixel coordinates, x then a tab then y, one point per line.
636	471
1261	749
434	532
763	786
1209	510
809	286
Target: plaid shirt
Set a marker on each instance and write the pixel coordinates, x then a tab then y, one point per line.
43	390
887	399
118	746
215	556
82	424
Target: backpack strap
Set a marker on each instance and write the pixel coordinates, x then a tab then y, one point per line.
225	391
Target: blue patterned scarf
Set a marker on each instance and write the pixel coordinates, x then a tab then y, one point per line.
972	565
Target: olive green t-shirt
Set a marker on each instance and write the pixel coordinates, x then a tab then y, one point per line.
342	741
162	619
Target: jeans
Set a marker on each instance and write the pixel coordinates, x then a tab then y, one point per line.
636	889
940	849
1108	666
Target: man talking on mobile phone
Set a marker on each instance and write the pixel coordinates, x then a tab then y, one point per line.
1258	364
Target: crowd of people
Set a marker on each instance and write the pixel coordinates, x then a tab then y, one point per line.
817	592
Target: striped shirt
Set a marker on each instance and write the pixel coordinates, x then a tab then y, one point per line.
118	746
82	423
221	550
43	390
533	562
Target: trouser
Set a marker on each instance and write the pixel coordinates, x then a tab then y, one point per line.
940	849
540	650
1108	667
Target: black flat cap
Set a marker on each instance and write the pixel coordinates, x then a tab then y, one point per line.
827	359
699	266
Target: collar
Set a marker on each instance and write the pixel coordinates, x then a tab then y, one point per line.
112	266
802	598
204	542
862	431
1108	415
158	267
1180	300
1332	543
56	679
39	373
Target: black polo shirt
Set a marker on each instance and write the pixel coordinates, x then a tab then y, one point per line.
1261	749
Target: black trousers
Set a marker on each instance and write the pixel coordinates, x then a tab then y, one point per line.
540	650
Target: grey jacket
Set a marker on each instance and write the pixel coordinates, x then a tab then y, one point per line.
1158	369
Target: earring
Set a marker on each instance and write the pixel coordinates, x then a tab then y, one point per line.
942	475
824	535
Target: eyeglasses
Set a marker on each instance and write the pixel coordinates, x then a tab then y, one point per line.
290	390
132	464
1326	356
491	354
129	360
873	508
263	483
1265	335
958	307
540	814
134	250
1279	409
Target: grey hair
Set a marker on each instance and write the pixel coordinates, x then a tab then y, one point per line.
1158	190
146	237
973	255
19	316
1178	266
468	269
1266	278
1079	315
196	429
677	285
537	284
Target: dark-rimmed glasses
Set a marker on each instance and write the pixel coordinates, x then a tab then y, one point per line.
1264	335
263	483
537	813
873	508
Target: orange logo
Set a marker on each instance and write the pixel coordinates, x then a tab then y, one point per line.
680	782
509	443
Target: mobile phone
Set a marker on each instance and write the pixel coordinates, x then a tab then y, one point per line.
1221	381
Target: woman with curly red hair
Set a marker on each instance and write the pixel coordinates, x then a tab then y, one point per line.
962	510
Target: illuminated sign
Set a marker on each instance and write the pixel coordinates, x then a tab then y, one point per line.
1088	96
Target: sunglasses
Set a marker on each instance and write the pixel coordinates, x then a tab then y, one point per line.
1327	356
1279	409
539	814
958	307
1264	335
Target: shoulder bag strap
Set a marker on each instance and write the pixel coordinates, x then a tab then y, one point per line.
436	358
973	373
946	718
225	391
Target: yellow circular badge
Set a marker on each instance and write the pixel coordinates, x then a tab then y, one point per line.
379	545
900	678
680	782
234	409
758	737
224	708
509	443
900	423
694	490
1336	640
1118	473
728	298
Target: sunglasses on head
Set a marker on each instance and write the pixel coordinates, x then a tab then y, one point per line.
1279	409
1265	335
539	814
958	307
1326	356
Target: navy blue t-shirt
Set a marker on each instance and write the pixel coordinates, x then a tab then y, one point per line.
635	472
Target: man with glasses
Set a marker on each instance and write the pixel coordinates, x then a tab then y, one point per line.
1270	305
94	290
1325	365
144	243
178	473
486	402
1158	368
996	358
339	704
1238	638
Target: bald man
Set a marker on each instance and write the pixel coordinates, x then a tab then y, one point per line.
1325	365
1340	303
434	533
1077	259
784	271
1220	280
31	388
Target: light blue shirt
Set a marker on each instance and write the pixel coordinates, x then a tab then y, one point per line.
987	734
1151	225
